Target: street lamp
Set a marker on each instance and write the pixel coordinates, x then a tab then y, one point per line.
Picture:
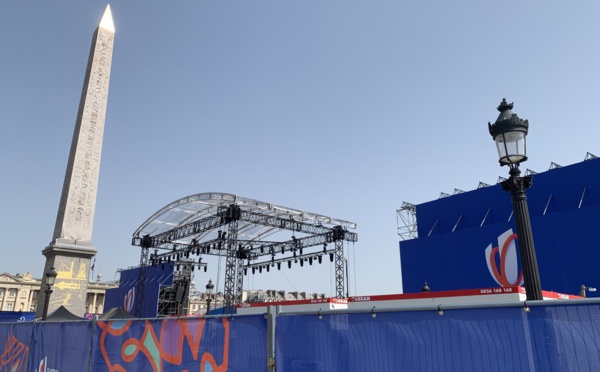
209	291
50	278
509	132
584	288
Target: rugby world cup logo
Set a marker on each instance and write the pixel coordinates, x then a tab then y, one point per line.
502	260
129	300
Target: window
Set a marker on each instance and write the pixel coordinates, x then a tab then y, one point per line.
9	306
1	292
12	292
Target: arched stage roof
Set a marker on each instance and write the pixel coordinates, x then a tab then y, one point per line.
200	206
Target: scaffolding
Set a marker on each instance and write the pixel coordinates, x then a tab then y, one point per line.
406	220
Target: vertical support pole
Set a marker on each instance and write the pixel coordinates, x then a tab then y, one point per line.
531	275
48	292
141	283
232	215
271	321
338	236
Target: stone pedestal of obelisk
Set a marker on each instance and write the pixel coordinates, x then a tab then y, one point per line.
71	248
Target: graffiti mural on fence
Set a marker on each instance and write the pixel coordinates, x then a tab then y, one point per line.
14	356
176	341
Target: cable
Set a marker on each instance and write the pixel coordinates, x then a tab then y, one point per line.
354	264
286	278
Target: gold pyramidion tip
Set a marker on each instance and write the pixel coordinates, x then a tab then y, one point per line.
107	21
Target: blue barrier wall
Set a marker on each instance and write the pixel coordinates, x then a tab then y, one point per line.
454	233
125	295
554	338
548	338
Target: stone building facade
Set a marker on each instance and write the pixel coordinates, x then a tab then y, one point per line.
20	292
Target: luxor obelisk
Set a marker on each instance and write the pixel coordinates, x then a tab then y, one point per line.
71	248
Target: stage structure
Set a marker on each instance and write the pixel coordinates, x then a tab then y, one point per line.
252	236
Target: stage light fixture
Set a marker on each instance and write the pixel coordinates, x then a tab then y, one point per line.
289	264
331	257
278	265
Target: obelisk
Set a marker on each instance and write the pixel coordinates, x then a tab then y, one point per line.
71	248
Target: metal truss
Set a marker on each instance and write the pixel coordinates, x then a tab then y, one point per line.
197	238
164	240
406	219
300	258
140	285
339	268
231	285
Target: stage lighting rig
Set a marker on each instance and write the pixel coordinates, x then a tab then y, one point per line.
236	228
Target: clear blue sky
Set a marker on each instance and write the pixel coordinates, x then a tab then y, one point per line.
343	108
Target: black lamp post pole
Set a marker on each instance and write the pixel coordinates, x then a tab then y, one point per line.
517	185
46	301
209	292
50	278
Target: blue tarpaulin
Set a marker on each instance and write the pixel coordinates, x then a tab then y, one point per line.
16	316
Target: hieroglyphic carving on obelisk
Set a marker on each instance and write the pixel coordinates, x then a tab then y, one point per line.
71	248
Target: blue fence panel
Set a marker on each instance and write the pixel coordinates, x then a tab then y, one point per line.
16	338
459	340
61	346
171	344
566	338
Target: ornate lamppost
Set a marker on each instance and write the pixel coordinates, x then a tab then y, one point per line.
209	291
50	278
509	132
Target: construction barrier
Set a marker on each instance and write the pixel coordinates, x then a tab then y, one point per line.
557	336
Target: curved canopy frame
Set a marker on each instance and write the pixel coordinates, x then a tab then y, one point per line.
200	206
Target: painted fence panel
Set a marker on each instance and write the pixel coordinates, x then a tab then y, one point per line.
15	338
193	344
